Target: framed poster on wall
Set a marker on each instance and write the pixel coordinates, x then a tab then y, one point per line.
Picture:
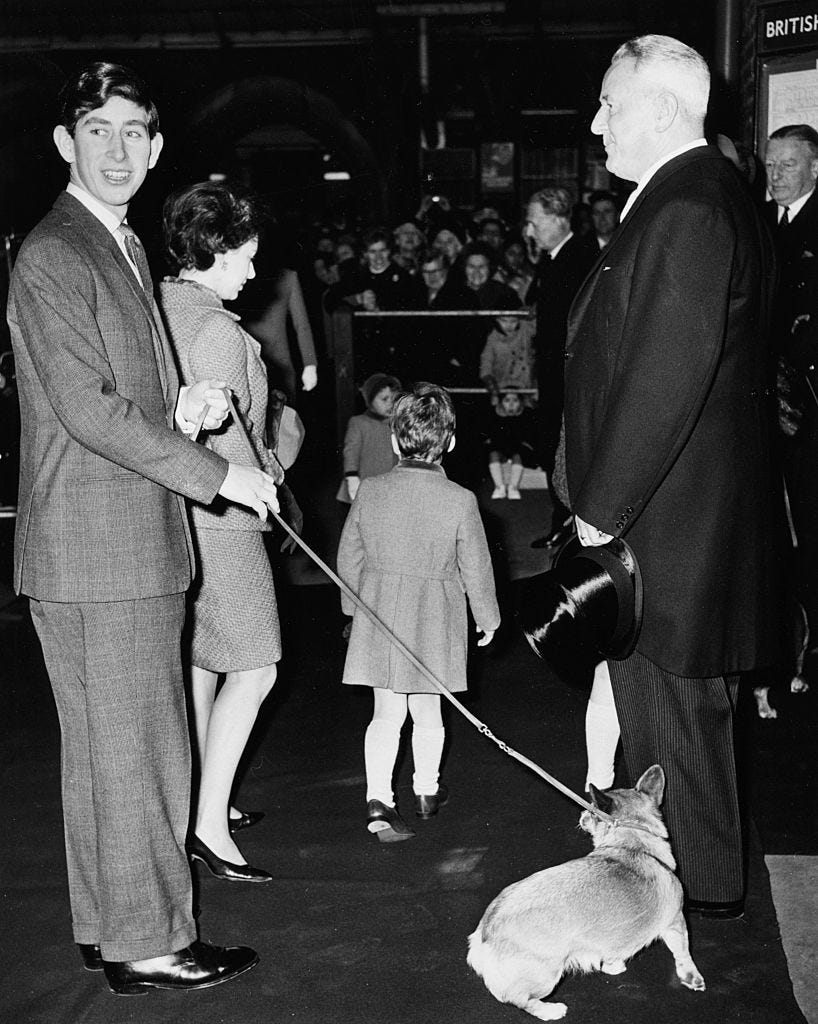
788	94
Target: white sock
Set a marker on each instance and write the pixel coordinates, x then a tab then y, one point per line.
601	731
601	739
381	742
427	749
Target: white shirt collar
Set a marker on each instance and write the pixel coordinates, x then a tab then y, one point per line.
795	207
649	173
553	252
102	213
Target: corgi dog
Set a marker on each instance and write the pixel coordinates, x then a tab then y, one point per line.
589	914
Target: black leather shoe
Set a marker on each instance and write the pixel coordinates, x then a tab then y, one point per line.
390	826
91	956
247	819
729	911
199	965
223	868
428	806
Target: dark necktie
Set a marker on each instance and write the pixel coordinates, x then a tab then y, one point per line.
783	223
136	253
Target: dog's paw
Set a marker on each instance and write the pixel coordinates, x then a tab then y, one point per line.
613	967
546	1011
691	978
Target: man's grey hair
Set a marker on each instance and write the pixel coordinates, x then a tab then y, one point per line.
556	200
673	65
800	133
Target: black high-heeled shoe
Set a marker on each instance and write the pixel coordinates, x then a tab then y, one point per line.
223	868
247	820
390	826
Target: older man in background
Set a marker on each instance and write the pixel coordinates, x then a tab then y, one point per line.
563	260
667	424
791	162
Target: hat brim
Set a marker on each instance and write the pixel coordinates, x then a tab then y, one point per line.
619	562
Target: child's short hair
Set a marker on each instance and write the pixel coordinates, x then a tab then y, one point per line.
423	422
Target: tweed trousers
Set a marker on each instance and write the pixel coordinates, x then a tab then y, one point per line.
115	669
686	726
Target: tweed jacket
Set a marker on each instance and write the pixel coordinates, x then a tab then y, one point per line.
667	414
210	344
413	547
100	512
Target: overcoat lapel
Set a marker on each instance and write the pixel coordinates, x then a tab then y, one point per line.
586	291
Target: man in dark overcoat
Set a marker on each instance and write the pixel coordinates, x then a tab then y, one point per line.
791	163
564	261
667	445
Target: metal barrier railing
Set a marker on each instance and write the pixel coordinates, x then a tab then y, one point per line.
341	349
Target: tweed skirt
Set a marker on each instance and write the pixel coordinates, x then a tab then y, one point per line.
233	620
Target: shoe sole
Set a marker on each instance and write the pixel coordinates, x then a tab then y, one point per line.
142	988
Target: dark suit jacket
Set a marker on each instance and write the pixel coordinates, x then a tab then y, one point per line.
797	250
667	419
100	517
552	291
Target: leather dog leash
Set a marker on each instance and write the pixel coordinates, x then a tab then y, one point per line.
404	650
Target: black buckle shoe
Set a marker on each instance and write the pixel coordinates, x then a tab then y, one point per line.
428	806
389	825
91	956
198	965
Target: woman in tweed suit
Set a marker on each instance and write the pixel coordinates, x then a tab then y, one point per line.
413	548
211	234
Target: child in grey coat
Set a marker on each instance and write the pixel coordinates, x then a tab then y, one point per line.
413	548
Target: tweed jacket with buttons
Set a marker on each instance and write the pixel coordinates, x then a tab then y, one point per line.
98	519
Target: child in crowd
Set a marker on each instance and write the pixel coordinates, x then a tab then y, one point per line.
413	548
367	443
510	436
507	359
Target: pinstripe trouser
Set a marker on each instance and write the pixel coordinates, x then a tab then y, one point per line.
686	726
115	669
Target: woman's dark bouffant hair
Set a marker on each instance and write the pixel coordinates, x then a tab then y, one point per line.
92	87
205	219
423	422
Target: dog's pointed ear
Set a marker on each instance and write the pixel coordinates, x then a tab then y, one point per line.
652	783
600	799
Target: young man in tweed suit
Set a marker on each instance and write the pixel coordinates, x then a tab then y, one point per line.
103	549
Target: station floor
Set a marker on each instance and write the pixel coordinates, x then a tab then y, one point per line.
356	932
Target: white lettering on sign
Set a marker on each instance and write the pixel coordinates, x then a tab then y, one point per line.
792	26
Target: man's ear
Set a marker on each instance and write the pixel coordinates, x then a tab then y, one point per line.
395	448
156	148
64	141
667	109
451	443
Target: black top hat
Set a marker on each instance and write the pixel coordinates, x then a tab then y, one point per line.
590	600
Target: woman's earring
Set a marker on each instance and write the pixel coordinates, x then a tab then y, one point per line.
224	264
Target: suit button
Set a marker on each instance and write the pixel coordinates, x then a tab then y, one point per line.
629	510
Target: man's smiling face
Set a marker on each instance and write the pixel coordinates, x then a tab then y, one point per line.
110	152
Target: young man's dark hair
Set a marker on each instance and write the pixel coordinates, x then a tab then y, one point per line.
94	85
